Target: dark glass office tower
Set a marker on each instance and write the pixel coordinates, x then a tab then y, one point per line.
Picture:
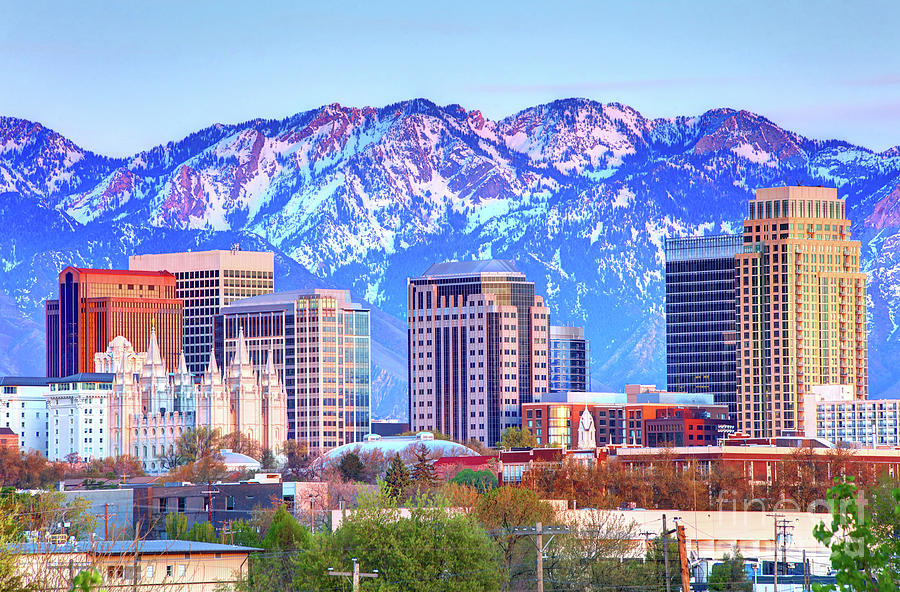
569	360
701	317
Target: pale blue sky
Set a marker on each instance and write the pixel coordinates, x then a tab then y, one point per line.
119	77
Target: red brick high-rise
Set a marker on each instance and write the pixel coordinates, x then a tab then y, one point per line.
96	305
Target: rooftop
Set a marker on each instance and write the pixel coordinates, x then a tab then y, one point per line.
88	270
127	547
454	268
23	381
85	377
284	299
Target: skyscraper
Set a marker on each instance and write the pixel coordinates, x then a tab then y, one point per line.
801	307
570	360
320	348
701	317
478	348
207	281
96	305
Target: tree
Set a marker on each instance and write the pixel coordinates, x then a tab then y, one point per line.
423	473
730	575
202	532
296	457
197	443
242	533
176	526
397	476
241	443
87	581
514	437
431	549
268	462
351	468
207	468
506	508
285	533
483	481
861	559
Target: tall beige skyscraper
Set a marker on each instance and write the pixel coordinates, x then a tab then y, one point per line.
207	281
801	304
478	348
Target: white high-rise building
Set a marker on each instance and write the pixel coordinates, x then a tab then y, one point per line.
23	404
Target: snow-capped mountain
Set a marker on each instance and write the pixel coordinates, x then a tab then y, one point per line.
582	194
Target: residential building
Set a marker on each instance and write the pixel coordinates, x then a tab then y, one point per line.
701	317
78	416
478	344
591	420
320	343
9	439
802	307
96	305
176	566
206	281
23	405
570	360
834	413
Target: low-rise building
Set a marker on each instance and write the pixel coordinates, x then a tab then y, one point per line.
23	403
176	566
589	420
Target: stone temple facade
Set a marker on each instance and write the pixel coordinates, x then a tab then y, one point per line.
149	407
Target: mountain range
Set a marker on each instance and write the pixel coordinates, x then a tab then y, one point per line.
581	194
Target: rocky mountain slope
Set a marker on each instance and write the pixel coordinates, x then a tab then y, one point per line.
582	194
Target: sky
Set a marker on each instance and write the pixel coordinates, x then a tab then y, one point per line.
120	77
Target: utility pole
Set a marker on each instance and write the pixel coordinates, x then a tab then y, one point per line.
805	573
775	548
682	553
105	522
665	535
209	493
540	557
354	575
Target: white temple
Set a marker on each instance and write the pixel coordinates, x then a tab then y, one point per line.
149	408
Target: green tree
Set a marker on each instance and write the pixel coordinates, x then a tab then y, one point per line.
243	533
176	526
514	437
87	581
202	532
351	467
423	473
285	533
730	575
397	476
862	559
482	481
432	549
268	462
197	443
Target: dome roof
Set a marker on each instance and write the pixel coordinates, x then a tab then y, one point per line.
237	461
391	445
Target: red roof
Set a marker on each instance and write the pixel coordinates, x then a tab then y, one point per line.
133	272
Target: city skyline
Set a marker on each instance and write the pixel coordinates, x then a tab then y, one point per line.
833	65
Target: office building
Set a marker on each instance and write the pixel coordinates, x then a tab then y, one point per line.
206	281
320	344
478	346
801	307
701	317
96	305
570	360
23	404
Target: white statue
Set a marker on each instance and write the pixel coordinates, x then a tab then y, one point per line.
587	434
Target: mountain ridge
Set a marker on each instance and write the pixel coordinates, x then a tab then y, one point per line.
581	193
